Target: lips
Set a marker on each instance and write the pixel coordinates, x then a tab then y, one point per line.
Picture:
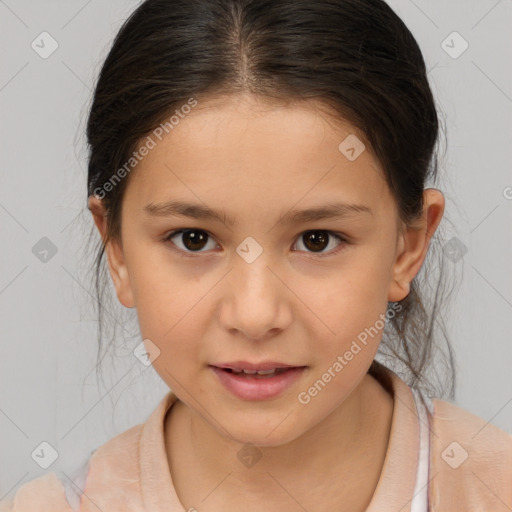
271	371
257	381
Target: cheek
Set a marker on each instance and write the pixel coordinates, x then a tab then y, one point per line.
169	319
346	303
345	339
167	306
169	311
163	290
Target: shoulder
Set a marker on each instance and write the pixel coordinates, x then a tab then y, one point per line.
470	458
449	420
40	494
113	481
119	454
116	459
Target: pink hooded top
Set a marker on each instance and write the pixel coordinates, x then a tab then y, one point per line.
454	461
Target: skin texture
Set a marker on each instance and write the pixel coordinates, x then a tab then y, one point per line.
293	304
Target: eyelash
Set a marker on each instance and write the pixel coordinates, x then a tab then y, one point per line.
185	254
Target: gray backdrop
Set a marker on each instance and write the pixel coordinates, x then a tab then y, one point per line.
48	388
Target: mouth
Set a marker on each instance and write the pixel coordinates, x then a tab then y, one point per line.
257	381
258	373
263	368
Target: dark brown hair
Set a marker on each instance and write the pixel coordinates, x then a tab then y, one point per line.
355	56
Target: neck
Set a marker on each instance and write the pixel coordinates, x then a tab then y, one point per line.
330	457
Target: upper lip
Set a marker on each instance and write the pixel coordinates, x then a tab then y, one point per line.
246	365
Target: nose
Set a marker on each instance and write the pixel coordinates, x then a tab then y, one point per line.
255	300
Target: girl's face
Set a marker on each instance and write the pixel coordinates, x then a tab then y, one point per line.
255	280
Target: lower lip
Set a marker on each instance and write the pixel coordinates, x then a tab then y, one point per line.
249	387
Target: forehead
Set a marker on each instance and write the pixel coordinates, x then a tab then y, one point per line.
252	122
244	148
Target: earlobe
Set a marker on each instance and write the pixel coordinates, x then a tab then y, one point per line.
414	243
114	253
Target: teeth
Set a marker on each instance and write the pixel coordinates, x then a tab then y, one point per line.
252	372
266	372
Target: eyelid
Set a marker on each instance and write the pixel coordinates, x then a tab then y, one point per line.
344	240
167	240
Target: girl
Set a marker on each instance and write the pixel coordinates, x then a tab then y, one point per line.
258	174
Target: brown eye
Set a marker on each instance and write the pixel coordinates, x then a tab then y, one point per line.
317	240
192	240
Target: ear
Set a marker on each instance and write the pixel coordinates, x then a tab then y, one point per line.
413	244
115	255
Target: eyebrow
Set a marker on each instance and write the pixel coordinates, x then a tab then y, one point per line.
203	212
